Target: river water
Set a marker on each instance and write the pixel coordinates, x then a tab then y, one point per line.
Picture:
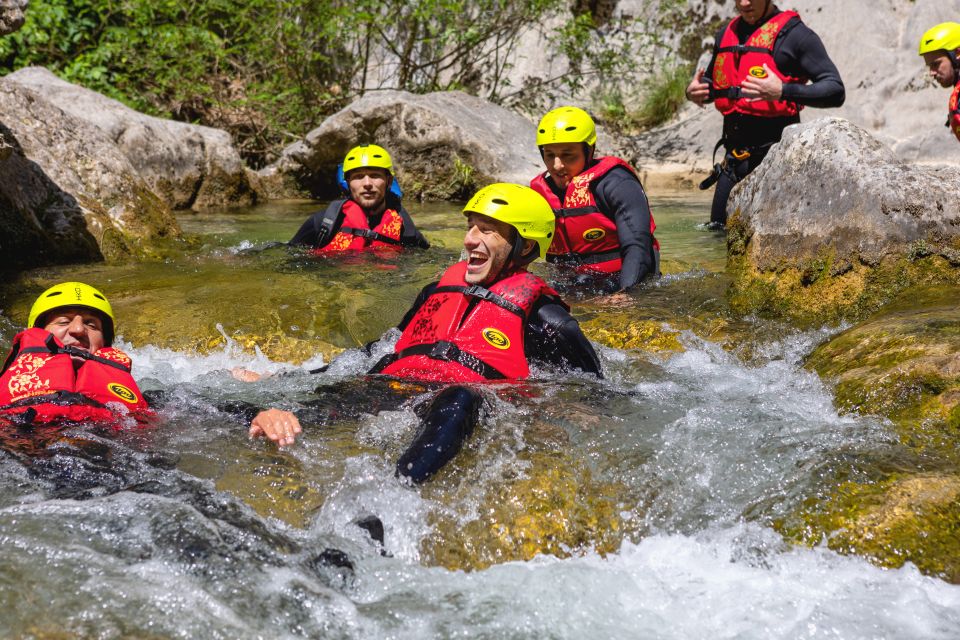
640	506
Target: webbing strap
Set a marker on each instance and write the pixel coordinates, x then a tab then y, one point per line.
445	351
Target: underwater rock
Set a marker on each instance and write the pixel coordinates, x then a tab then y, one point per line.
444	145
832	224
620	331
66	193
189	166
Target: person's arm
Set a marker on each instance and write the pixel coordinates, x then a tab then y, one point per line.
620	196
802	54
309	232
409	235
554	336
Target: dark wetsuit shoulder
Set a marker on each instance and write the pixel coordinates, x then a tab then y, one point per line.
620	196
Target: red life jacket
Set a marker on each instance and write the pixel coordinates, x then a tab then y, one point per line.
355	233
585	236
953	106
468	333
39	379
734	62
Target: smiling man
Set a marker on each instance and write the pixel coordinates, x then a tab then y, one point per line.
486	319
604	225
371	217
766	66
940	48
64	367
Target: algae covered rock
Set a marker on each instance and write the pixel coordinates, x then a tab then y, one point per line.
832	224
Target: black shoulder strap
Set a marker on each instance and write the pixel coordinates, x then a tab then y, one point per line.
483	293
329	222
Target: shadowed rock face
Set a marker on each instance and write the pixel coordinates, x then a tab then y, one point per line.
67	193
11	15
833	223
443	145
188	166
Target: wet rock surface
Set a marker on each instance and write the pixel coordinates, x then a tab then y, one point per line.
833	224
11	15
444	145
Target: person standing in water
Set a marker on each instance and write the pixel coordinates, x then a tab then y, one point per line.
604	225
370	217
766	66
486	319
940	48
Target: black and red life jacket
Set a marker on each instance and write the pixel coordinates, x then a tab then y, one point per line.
38	380
734	62
953	111
585	236
468	333
355	233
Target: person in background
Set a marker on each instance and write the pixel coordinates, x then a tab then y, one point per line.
766	66
604	225
940	46
370	217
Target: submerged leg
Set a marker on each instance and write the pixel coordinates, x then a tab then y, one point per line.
447	425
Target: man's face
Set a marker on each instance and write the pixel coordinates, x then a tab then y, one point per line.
74	326
753	10
368	186
940	67
488	248
564	161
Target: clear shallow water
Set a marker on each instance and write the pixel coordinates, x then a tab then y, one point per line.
649	496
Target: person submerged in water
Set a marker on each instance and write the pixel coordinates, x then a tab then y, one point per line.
370	217
604	225
486	319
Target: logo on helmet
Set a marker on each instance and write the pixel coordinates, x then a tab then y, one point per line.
122	392
757	72
592	235
496	338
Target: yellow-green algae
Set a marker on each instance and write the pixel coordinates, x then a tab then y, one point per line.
826	288
621	330
902	363
555	508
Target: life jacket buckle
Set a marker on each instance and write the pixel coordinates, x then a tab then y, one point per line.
477	291
443	350
740	154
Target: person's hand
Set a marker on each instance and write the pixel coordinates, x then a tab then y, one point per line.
698	91
618	299
769	87
276	424
245	375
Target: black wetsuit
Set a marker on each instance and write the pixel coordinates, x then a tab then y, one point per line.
797	52
309	232
620	197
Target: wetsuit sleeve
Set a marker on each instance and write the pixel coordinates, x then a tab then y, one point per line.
307	234
553	336
409	235
800	52
620	196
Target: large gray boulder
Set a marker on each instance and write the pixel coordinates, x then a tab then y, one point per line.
66	192
187	165
831	209
11	15
443	145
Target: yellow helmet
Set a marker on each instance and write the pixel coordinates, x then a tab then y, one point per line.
566	124
521	207
73	294
367	155
945	35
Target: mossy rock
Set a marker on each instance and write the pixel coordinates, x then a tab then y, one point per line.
902	519
624	331
556	508
903	363
825	288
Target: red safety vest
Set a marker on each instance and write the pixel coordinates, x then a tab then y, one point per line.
953	106
585	236
355	233
468	333
39	377
734	62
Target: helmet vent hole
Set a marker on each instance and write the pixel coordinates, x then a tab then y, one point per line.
571	128
499	201
55	293
543	130
97	295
